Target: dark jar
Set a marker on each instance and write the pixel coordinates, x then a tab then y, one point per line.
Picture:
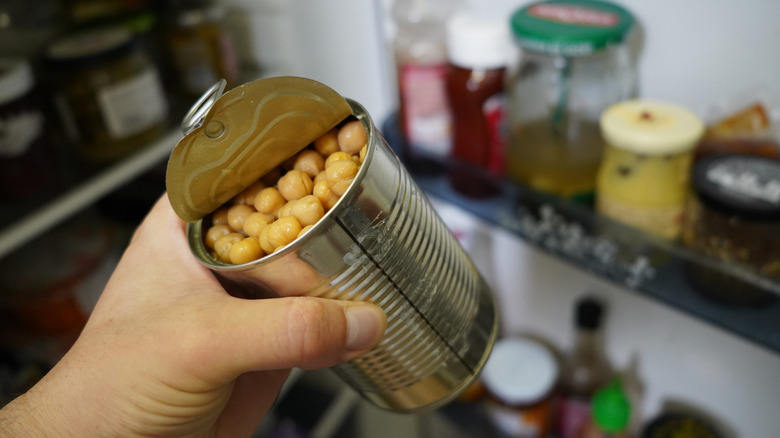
478	52
107	92
27	160
733	215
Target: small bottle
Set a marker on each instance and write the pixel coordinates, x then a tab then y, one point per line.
479	49
421	62
610	415
584	370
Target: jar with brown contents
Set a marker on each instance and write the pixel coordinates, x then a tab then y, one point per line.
285	203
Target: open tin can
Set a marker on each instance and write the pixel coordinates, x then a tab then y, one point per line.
384	243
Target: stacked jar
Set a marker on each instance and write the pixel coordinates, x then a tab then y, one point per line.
574	63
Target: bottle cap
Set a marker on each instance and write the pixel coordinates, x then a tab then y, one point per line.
588	314
611	408
570	27
478	41
650	127
520	371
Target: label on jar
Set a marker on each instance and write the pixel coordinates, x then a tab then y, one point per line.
520	423
134	105
494	110
426	113
18	131
574	413
661	220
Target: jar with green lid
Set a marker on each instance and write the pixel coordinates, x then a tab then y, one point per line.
107	92
573	64
645	173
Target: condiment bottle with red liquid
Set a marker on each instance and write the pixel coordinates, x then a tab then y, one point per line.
479	50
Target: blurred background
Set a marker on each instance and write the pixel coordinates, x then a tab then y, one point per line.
92	93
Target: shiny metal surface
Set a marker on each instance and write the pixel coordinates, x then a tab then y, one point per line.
384	243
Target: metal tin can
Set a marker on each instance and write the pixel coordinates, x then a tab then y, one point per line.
384	243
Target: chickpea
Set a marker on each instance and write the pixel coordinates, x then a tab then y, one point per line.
362	154
295	184
255	222
326	196
223	244
245	251
305	229
247	196
340	175
237	214
328	143
283	231
308	210
262	239
215	232
286	210
337	156
320	177
310	162
352	137
220	216
269	201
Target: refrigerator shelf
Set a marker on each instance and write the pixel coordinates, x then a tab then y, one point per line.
724	294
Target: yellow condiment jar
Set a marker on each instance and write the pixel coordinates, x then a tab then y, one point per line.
644	175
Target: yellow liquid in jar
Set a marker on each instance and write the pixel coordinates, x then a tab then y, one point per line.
563	162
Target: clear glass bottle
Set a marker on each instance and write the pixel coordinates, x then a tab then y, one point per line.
573	64
420	53
584	370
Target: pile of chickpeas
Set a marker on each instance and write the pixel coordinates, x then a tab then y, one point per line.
287	202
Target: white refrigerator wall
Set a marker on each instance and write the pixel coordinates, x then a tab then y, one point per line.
694	52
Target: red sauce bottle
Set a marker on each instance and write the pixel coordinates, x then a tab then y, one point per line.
478	52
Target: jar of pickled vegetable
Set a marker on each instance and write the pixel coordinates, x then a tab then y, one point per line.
107	92
645	173
573	64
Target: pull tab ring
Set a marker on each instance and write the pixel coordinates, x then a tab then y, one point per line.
194	117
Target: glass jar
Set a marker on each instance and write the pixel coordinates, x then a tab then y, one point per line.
573	64
107	93
645	173
734	211
520	378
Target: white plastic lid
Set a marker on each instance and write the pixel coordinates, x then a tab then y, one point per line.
520	371
478	41
651	127
16	79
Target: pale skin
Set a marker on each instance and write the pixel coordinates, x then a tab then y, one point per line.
167	352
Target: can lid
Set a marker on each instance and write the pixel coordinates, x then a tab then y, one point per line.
478	41
520	371
91	45
651	127
742	185
570	27
16	78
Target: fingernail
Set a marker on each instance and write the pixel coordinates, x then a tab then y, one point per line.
365	326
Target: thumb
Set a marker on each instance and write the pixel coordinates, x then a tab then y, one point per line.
303	332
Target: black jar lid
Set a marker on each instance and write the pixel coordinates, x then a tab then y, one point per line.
741	185
91	47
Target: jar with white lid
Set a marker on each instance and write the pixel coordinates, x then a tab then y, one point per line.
574	62
520	378
644	177
107	92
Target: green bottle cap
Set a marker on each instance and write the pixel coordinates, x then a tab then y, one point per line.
570	27
611	408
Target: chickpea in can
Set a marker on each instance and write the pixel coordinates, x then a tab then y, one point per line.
289	200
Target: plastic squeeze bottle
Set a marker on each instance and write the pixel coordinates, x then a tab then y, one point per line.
479	48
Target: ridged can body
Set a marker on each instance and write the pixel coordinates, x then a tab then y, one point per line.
384	243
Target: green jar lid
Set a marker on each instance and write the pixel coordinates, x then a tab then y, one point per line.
570	27
611	408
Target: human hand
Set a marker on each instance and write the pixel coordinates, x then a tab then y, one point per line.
167	352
